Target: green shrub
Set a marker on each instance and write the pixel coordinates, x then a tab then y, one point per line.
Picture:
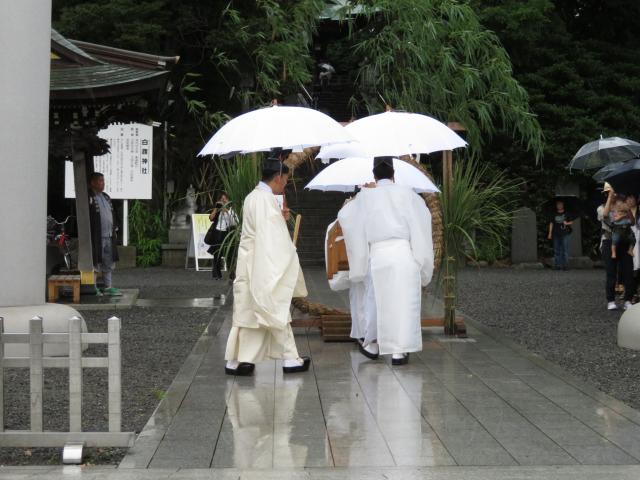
147	232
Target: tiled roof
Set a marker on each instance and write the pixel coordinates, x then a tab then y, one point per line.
97	76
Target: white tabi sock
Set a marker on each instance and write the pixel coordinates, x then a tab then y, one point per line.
292	362
232	364
372	348
398	356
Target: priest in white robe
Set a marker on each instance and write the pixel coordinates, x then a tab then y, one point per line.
268	275
361	302
388	237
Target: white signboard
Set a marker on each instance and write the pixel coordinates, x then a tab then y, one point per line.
197	250
127	167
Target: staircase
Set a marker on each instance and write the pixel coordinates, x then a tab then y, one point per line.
333	99
318	210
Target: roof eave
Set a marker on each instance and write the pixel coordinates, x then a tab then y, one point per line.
126	57
150	84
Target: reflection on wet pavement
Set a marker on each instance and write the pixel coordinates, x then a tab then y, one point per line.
474	403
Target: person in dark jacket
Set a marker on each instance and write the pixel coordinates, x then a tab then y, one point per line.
103	232
224	219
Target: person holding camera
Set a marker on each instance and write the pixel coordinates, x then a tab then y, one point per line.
223	219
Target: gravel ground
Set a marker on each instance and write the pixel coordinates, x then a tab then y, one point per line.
159	282
155	344
559	315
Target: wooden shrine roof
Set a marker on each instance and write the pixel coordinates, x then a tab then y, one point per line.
82	70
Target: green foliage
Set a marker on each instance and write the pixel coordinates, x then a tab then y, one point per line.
129	24
582	81
238	177
434	56
478	210
148	232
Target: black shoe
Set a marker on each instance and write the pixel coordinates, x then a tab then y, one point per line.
302	368
372	356
242	370
400	361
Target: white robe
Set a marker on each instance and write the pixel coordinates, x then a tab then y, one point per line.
268	275
388	236
361	300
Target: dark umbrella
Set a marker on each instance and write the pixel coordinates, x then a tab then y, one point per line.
601	174
626	178
572	205
603	152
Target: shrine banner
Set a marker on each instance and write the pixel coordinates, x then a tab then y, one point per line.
127	167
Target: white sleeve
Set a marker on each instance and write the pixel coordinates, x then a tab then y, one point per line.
419	221
352	222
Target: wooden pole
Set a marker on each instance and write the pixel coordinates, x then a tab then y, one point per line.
296	229
450	270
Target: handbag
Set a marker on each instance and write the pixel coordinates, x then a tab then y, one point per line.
210	237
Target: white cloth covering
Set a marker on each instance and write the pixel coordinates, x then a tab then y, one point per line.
361	299
268	275
387	231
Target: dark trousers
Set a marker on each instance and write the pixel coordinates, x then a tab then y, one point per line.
561	251
216	272
621	267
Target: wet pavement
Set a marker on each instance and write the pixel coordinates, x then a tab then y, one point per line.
472	402
462	408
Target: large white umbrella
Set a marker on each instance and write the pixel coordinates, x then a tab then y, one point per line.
261	130
345	175
397	134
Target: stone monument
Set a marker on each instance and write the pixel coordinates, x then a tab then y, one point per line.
181	217
174	252
524	242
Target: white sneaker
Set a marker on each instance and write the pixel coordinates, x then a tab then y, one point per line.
627	304
612	306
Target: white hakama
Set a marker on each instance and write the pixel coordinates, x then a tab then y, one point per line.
387	231
268	275
396	280
362	305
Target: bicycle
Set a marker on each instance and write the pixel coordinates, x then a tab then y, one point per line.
57	235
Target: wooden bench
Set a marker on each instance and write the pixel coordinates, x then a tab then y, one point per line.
54	282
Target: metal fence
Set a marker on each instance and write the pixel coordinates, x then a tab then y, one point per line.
36	362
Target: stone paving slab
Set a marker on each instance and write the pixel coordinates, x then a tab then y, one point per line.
474	403
575	472
92	302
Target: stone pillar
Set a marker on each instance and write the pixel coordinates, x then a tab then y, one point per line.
524	240
25	52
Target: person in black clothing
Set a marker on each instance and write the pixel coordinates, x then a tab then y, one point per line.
224	219
559	231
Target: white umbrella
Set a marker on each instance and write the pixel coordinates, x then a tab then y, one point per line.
345	175
397	134
261	130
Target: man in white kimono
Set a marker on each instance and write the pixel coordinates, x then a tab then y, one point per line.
361	300
268	275
388	237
